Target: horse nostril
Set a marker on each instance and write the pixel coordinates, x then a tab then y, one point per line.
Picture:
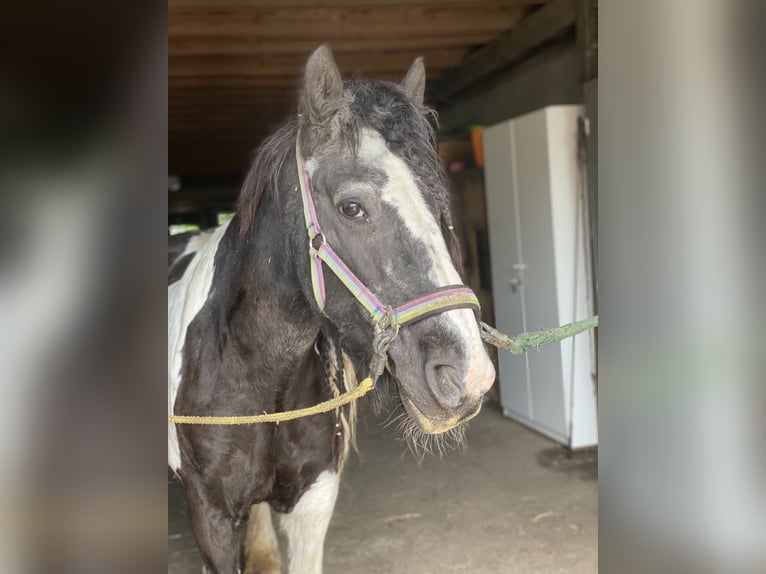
445	384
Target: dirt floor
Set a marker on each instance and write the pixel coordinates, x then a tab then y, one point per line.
511	502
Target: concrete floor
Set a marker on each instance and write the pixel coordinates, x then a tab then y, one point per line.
511	502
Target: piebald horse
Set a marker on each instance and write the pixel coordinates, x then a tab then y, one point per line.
261	320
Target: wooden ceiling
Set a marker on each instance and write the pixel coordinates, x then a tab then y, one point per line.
234	66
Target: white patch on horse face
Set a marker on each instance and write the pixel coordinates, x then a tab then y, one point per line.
185	299
310	164
402	193
306	526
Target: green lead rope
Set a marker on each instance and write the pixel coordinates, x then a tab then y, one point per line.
520	343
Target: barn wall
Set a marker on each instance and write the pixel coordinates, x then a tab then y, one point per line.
550	77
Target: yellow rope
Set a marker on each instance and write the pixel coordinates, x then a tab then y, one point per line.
515	345
362	389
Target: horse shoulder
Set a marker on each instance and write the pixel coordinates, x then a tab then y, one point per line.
186	297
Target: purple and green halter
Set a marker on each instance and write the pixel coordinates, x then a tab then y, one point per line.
382	316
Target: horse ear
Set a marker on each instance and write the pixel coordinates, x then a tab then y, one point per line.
414	83
322	86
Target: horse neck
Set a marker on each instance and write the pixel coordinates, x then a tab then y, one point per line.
275	315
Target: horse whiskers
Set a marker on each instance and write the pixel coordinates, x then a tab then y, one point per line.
394	418
420	443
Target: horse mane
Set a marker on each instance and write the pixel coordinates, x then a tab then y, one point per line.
407	128
265	172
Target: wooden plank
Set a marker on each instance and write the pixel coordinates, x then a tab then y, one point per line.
229	124
256	45
231	5
235	151
223	111
325	24
203	136
219	110
228	105
236	158
243	121
194	95
244	93
235	67
213	112
180	153
511	47
231	101
185	66
240	82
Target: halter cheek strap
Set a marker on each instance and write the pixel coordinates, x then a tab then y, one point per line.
382	316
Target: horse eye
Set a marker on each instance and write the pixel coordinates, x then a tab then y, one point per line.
352	209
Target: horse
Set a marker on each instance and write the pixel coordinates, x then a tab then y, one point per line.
274	312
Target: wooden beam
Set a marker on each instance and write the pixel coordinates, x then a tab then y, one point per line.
246	94
202	66
325	24
229	102
229	105
251	45
239	150
241	121
223	127
199	136
230	5
239	82
215	111
235	82
204	138
550	21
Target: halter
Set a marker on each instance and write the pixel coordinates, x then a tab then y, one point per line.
383	317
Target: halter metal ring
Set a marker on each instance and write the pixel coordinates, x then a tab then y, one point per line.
384	337
322	241
380	345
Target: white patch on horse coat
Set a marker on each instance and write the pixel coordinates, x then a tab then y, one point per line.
402	192
185	299
306	526
261	544
197	242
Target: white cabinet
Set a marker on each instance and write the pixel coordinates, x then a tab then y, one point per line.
539	271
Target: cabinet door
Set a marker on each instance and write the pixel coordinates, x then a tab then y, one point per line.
505	254
532	160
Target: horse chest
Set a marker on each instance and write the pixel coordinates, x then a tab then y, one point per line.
263	463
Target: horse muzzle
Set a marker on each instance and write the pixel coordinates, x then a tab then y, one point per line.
450	395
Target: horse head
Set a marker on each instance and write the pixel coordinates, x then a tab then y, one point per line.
367	153
382	199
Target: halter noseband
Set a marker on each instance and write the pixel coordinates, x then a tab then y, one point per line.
383	318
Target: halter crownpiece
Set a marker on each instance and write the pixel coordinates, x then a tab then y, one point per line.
383	317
